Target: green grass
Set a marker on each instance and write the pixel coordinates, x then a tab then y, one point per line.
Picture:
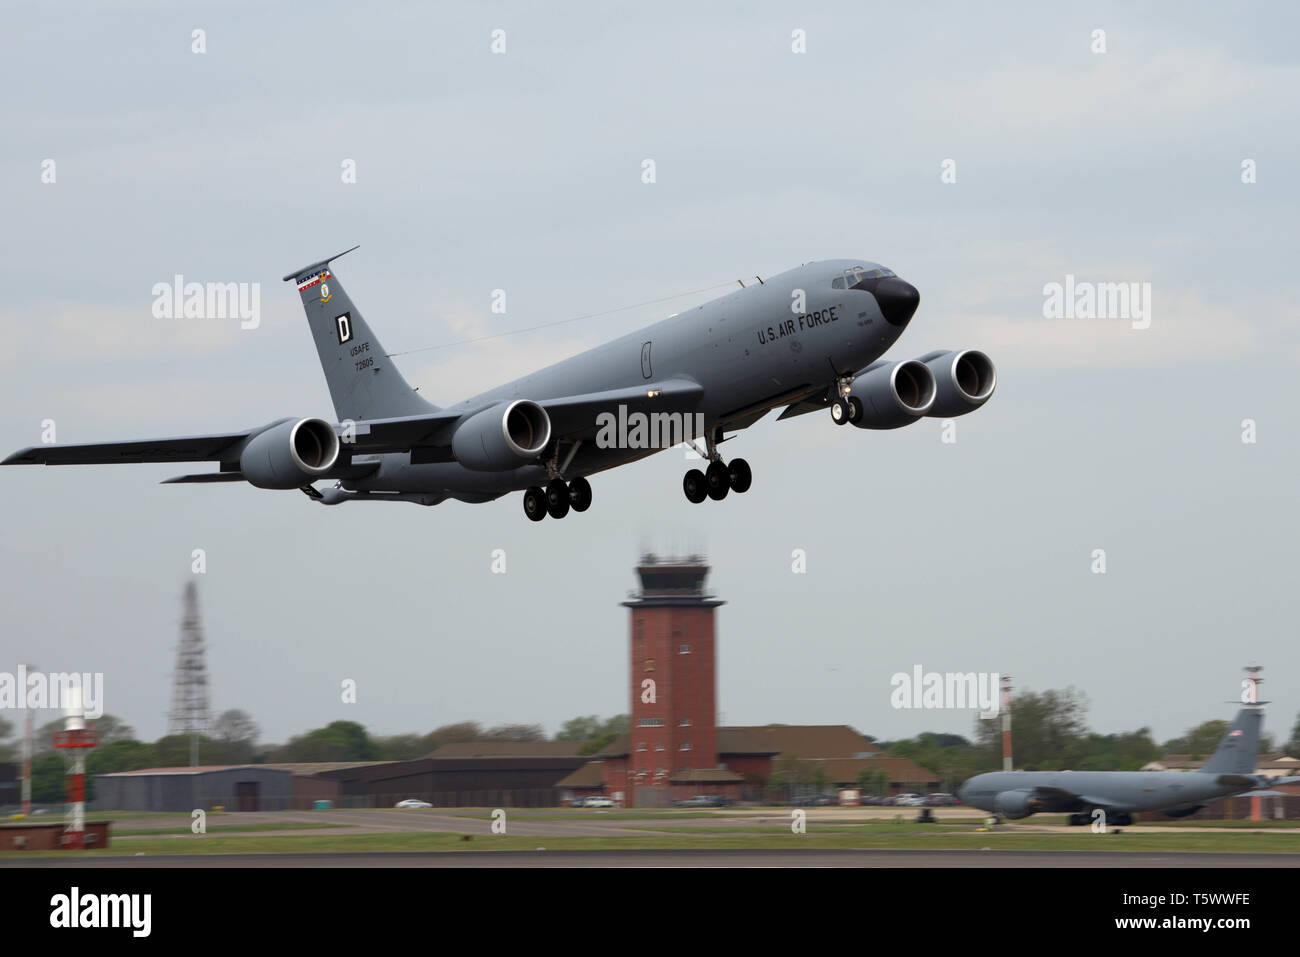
1272	824
619	813
223	828
925	840
103	816
818	827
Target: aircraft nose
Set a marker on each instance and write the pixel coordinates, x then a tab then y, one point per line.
897	299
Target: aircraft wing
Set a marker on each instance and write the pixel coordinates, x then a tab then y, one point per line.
193	448
572	417
575	416
426	436
1062	796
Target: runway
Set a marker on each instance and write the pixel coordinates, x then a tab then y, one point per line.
682	858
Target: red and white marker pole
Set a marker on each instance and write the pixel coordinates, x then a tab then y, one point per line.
77	739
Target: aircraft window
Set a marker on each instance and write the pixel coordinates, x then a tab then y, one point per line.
837	282
857	274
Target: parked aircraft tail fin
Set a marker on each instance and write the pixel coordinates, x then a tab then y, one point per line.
363	383
1237	752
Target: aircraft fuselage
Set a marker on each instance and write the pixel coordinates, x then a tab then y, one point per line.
750	350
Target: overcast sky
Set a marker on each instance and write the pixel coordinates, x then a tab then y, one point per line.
522	171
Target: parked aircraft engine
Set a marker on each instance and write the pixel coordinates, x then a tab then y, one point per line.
891	396
963	380
1015	804
1182	811
502	437
290	455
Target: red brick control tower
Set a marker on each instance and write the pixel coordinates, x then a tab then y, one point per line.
673	734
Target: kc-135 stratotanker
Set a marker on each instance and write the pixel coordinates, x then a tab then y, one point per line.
808	339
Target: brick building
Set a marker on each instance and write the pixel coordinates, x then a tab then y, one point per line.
674	748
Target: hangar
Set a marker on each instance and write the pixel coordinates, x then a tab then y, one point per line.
245	787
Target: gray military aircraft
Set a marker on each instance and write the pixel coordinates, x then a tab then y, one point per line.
811	338
1121	794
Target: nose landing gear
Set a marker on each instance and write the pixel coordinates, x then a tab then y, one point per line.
846	409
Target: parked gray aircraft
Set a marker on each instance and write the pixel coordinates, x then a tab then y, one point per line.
1121	794
808	339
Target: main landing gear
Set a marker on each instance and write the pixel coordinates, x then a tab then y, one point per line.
1116	819
718	479
557	498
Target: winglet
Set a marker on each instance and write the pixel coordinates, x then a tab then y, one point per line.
324	262
27	456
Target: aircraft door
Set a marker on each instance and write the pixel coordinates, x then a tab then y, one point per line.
646	370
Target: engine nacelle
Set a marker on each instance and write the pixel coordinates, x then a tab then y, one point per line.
503	437
290	455
893	395
1016	804
1182	811
964	381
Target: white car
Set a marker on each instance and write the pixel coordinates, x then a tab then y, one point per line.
598	801
412	802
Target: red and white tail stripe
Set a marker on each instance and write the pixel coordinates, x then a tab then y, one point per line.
306	282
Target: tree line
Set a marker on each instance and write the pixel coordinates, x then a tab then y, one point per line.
1049	731
234	739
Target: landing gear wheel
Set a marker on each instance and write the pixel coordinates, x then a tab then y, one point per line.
580	494
717	480
855	408
557	499
535	503
741	476
840	412
694	486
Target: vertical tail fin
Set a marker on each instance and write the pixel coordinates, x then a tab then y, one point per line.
363	383
1238	751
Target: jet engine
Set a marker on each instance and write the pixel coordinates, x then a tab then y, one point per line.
893	395
1182	811
290	455
963	380
502	437
1016	804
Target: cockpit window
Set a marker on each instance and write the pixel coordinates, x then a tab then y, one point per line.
856	274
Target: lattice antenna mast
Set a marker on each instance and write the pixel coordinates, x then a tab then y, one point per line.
191	711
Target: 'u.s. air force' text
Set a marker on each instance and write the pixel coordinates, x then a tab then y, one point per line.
797	324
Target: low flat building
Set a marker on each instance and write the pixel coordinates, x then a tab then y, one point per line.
244	787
